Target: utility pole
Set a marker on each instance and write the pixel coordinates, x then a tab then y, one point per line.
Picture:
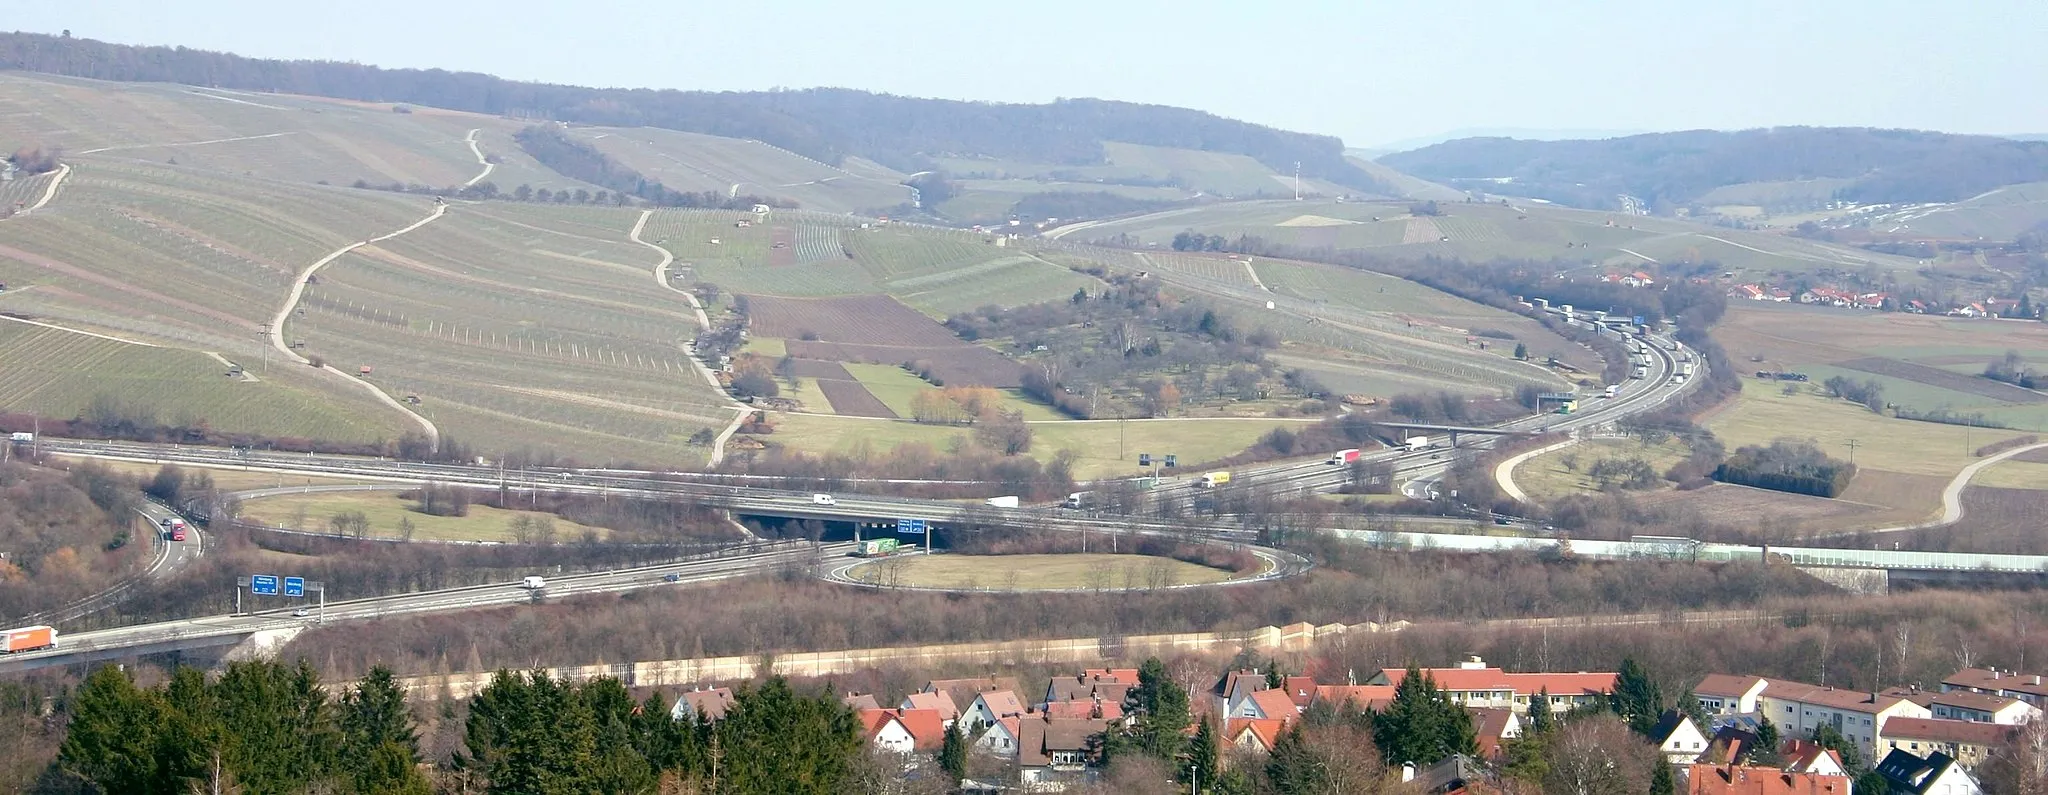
1852	451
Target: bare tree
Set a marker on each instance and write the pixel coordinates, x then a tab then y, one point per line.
1598	755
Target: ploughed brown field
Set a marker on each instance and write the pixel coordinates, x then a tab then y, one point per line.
876	329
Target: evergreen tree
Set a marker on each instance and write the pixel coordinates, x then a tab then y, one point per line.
953	757
375	723
276	725
1522	351
1523	759
1162	712
1275	679
1689	704
1827	736
1201	756
1767	740
391	769
1661	782
113	735
1540	718
1290	767
1636	697
1422	725
773	740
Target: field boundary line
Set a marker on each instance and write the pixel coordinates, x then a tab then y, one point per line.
79	331
480	159
299	290
190	143
1505	473
1254	274
740	412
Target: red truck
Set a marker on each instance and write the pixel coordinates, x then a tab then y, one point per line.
1344	456
28	639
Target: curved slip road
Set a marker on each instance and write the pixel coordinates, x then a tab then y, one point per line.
1505	473
740	413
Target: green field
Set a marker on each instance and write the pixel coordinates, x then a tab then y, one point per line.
896	387
61	374
384	509
1763	414
1036	572
1546	476
1104	448
693	162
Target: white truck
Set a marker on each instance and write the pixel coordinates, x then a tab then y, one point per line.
1001	502
1416	444
1079	499
1613	388
22	437
534	583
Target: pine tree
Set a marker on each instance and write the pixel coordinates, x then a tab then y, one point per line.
1661	782
374	715
391	769
953	757
112	738
1767	740
1636	697
1422	725
1201	756
1689	704
1522	351
1162	711
1540	718
1290	767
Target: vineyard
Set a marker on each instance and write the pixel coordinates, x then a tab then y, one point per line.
22	192
60	374
693	162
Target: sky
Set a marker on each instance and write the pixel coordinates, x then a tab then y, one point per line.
1368	71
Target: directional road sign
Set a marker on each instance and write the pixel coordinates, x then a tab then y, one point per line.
263	584
914	527
295	586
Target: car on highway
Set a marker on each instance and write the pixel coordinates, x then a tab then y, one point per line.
823	499
300	613
671	578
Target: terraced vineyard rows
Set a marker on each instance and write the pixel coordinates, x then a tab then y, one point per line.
60	374
22	192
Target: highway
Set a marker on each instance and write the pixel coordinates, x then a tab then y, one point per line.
1305	474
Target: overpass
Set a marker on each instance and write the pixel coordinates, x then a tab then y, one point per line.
1453	430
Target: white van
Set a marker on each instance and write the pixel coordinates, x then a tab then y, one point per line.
823	499
533	583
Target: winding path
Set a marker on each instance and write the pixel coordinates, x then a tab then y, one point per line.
1505	473
740	413
50	191
1952	497
291	302
480	159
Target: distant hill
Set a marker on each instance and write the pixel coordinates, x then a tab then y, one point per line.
827	124
1675	169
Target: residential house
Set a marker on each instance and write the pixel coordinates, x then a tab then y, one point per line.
1091	709
1971	706
703	704
989	707
860	701
1358	697
1807	756
1731	743
903	730
1936	774
1089	685
1235	687
1494	727
1749	292
1264	704
964	691
1050	750
1474	684
1781	295
1799	709
939	702
1970	310
1638	279
1967	742
1003	736
1301	690
2025	687
1747	780
1256	735
1678	738
1722	695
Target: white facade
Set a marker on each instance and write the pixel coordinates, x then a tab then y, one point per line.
998	740
1799	710
893	737
1684	745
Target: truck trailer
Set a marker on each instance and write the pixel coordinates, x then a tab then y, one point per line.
28	639
1344	456
1416	444
1213	479
1001	502
877	548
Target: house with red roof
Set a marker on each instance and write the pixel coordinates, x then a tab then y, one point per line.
2025	687
1002	738
1254	735
1746	780
1493	728
989	707
706	704
1264	704
939	702
903	730
1807	756
1475	684
1358	697
1092	684
1050	750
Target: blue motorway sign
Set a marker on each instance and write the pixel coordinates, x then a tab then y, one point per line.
294	586
1639	320
914	527
263	584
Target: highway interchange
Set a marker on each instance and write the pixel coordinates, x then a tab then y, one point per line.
1416	470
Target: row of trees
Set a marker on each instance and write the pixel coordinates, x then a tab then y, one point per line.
1787	465
34	160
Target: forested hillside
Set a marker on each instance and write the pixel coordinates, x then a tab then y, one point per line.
825	123
1672	169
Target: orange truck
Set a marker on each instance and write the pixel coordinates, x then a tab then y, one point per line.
28	639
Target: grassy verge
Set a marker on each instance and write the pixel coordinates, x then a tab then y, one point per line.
1548	476
1918	448
384	509
1040	572
1101	448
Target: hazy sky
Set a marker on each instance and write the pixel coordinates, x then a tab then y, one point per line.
1365	70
